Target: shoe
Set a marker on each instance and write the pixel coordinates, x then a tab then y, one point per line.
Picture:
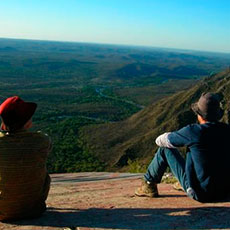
177	186
148	189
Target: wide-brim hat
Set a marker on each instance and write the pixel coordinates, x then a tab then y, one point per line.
208	106
15	112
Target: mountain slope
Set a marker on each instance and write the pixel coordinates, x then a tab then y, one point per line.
134	138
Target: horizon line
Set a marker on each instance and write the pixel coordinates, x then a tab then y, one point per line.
116	44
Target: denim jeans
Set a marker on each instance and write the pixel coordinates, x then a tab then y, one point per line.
165	157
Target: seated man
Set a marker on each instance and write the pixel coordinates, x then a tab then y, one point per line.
203	174
24	181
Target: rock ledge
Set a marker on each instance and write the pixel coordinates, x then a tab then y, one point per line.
106	201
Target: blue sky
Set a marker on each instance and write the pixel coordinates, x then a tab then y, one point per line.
186	24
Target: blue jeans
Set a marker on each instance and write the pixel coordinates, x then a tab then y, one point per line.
165	157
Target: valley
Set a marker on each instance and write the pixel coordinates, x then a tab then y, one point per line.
80	85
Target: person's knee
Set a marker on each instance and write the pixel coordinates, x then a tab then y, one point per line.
163	150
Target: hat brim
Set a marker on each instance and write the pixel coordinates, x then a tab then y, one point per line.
219	114
195	108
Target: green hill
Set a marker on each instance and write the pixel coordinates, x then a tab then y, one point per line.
117	144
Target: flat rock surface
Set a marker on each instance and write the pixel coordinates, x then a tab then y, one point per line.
106	201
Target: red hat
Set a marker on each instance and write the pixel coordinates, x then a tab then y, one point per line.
15	112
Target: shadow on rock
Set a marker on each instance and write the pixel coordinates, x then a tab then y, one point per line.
125	218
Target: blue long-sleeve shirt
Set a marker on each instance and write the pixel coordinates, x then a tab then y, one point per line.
208	157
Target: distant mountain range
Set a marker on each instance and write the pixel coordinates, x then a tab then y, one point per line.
134	138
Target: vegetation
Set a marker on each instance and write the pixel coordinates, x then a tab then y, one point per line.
69	153
135	166
79	85
132	142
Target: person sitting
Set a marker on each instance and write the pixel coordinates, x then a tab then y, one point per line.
203	174
24	181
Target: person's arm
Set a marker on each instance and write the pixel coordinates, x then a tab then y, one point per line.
182	137
163	141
